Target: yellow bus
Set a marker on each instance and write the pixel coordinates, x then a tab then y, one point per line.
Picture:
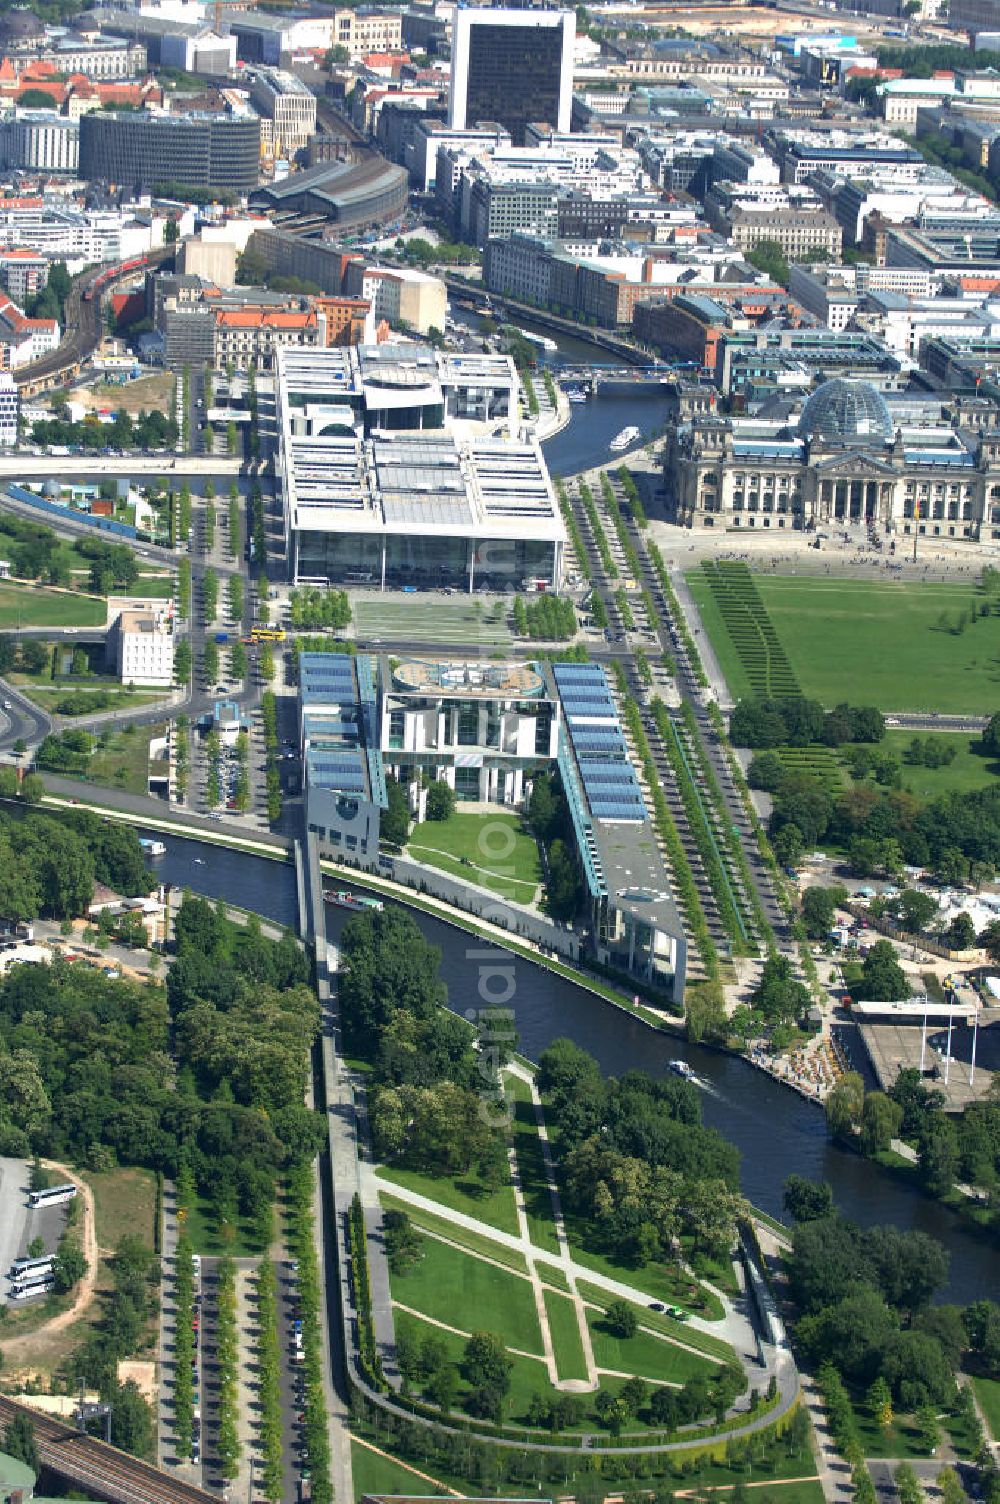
266	634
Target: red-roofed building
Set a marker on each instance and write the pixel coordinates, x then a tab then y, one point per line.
250	336
23	340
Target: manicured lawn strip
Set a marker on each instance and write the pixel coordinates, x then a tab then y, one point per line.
466	1195
570	1360
466	1292
644	1354
970	770
31	605
474	1242
988	1395
372	1474
531	1166
713	1347
550	1275
492	850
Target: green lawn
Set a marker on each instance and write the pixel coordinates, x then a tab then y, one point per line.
492	850
901	1439
970	770
871	642
713	1347
207	1237
529	1376
372	1474
124	762
23	605
531	1165
988	1395
464	1193
475	1242
570	1360
468	1293
651	1357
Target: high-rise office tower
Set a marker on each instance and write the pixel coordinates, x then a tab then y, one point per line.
511	66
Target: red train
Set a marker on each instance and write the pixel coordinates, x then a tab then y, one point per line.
112	274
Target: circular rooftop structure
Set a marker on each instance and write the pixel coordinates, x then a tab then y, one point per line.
846	412
472	680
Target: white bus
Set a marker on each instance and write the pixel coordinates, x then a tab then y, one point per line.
55	1195
37	1287
21	1269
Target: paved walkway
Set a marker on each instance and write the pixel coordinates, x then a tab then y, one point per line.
592	1381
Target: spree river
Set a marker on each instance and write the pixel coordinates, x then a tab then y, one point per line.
776	1131
584	443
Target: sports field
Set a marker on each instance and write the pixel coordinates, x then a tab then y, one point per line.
448	624
896	646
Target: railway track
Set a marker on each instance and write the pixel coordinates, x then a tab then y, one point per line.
81	334
101	1469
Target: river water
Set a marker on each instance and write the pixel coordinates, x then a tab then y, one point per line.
776	1131
584	443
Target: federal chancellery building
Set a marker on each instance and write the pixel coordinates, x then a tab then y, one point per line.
844	459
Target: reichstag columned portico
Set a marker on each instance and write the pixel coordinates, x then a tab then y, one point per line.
842	460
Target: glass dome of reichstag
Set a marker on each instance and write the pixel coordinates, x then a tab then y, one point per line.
845	412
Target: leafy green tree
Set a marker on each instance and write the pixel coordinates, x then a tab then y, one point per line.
19	1442
845	1105
395	823
883	979
440	800
880	1403
70	1265
487	1368
805	1200
881	1118
622	1319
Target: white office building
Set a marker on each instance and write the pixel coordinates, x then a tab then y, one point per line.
8	411
141	645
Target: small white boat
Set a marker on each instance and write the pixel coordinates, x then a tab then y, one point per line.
199	861
624	439
542	340
152	848
574	394
682	1069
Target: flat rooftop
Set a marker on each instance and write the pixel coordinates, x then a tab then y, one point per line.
337	701
615	835
516	681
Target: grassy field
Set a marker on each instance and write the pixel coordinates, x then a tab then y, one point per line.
372	1474
531	1165
649	1356
988	1395
475	1242
468	1293
565	1330
489	849
713	1347
871	642
124	762
970	770
466	1194
31	606
241	1241
125	1205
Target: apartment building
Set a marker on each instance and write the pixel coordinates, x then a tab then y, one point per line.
141	646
